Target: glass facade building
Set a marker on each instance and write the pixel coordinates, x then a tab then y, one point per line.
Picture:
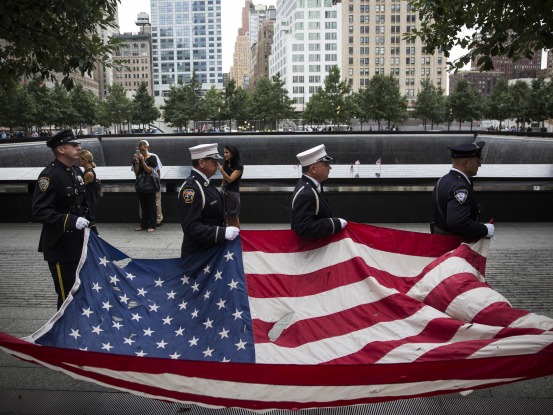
186	39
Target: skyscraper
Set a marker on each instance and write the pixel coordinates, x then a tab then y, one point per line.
186	39
306	44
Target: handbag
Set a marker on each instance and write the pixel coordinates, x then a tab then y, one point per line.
147	183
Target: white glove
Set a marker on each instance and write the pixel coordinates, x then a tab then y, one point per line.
81	223
491	229
343	222
231	232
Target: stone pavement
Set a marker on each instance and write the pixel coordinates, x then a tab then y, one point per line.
520	266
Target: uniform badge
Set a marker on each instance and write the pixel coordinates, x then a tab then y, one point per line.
188	195
461	195
43	183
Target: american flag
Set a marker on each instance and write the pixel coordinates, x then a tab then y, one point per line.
273	321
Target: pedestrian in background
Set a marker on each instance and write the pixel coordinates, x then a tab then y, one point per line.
144	164
59	203
232	170
92	187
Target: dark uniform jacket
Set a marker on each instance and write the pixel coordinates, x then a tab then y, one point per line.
311	215
202	214
455	207
58	200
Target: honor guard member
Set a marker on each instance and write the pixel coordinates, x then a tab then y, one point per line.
311	215
59	203
201	205
455	206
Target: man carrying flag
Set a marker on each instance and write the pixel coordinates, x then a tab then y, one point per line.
455	205
311	214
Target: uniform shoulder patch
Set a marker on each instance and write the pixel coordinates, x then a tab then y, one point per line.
461	195
43	183
188	195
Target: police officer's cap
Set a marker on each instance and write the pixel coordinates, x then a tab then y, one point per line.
313	155
467	150
63	137
204	151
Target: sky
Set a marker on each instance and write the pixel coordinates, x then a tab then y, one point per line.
231	20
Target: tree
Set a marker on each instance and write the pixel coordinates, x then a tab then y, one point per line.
85	105
144	110
466	103
336	92
538	106
43	38
520	98
17	107
174	111
315	111
214	105
44	109
282	103
511	28
382	100
116	108
425	107
499	106
64	114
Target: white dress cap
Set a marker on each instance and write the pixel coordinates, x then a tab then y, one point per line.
204	151
313	155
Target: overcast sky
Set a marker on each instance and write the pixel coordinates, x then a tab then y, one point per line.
231	19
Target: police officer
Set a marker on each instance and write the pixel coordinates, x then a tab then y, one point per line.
201	206
455	205
311	215
59	203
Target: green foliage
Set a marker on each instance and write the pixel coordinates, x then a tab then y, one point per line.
270	102
184	104
144	110
499	105
214	104
510	28
466	102
54	36
116	108
85	105
381	100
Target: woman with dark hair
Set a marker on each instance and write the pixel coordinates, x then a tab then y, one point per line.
232	171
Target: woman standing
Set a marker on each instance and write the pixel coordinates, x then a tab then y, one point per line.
145	163
232	171
92	188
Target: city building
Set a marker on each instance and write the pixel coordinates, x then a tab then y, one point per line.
261	50
132	60
306	44
240	69
515	69
362	37
484	82
186	41
373	43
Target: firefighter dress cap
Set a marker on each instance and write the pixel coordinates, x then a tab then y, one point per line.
313	155
467	150
63	137
204	151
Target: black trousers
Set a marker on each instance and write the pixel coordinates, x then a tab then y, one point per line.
148	206
63	274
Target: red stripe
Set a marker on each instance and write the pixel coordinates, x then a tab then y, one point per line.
388	240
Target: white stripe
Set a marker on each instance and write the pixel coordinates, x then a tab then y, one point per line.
533	321
292	393
467	305
514	346
322	304
299	263
410	352
262	392
440	273
335	347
